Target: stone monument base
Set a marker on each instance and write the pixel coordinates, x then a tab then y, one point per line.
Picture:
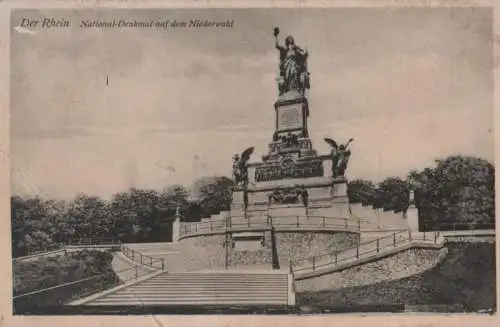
326	197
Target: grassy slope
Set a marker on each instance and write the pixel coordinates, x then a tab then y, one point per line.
465	277
52	271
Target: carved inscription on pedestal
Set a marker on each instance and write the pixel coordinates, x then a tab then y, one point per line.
290	117
297	170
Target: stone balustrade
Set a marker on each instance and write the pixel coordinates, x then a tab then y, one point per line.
265	222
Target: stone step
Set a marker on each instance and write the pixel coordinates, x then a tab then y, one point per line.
227	292
212	287
208	301
189	296
226	278
207	284
200	297
212	281
203	288
195	300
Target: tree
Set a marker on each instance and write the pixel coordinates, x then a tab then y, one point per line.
32	225
214	194
174	197
91	214
143	205
394	193
361	191
460	190
123	217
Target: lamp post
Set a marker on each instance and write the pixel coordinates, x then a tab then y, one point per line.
227	242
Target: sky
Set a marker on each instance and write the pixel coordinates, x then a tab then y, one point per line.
409	85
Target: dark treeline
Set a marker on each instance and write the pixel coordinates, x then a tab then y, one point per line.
133	216
457	190
457	193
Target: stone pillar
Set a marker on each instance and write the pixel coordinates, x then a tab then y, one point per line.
176	227
339	188
238	205
412	214
339	202
327	167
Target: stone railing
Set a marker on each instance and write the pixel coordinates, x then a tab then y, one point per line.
93	241
74	244
327	262
38	253
283	223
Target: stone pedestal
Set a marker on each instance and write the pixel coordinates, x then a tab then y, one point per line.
327	167
176	228
412	218
326	197
339	189
412	214
237	204
238	197
238	212
291	114
292	180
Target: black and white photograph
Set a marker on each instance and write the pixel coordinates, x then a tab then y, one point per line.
289	161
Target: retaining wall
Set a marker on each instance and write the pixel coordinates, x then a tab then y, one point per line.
209	251
304	244
378	218
206	250
403	264
470	236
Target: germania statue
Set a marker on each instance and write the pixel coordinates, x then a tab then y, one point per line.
293	66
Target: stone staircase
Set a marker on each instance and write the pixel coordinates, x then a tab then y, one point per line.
204	288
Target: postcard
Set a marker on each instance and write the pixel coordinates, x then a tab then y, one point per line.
280	161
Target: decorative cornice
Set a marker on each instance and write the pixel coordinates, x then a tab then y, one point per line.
327	183
284	102
289	130
303	159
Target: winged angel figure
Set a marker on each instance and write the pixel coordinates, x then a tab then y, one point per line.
340	156
240	166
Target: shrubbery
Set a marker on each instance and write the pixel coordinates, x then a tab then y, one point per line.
46	272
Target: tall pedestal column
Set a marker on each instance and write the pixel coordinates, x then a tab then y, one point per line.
412	215
340	202
176	229
238	205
